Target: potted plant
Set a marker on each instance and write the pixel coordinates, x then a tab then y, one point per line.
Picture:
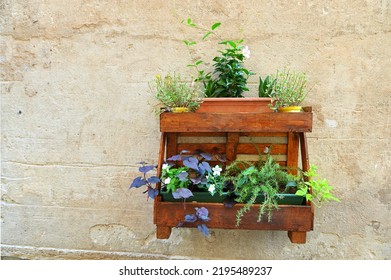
224	85
268	184
289	90
174	94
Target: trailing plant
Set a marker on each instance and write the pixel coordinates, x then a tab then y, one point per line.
229	77
250	181
148	181
289	88
173	92
269	179
200	217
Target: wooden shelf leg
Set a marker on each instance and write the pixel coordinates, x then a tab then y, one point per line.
163	232
297	236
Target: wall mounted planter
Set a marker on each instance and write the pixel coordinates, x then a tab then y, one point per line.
238	135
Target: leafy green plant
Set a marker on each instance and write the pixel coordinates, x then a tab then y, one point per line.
229	77
268	178
173	92
289	88
263	178
317	191
265	87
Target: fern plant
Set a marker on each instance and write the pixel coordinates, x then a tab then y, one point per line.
263	178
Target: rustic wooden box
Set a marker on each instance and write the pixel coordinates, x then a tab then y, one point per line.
238	136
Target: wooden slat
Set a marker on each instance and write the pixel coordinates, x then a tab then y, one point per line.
206	148
276	149
236	122
293	151
288	217
171	148
232	142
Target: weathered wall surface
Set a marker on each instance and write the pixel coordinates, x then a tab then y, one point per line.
76	117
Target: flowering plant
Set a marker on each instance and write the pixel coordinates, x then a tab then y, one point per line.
229	78
195	174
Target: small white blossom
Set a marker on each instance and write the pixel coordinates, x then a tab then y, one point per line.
211	188
216	170
167	180
246	52
165	166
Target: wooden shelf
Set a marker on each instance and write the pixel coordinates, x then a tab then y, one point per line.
236	122
237	135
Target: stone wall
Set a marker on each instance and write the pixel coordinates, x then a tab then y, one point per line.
76	117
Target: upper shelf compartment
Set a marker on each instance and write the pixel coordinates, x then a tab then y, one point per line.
237	122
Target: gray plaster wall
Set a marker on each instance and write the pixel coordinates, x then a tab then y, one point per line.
77	116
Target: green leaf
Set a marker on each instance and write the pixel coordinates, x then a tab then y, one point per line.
189	43
190	23
206	35
215	25
198	62
232	44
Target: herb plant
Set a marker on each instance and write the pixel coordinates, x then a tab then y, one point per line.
173	92
289	88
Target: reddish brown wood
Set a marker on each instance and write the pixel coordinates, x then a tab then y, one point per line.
293	151
287	218
299	237
297	220
171	146
304	152
247	104
236	122
163	232
232	142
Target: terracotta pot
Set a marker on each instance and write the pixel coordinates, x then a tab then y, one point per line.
290	109
235	105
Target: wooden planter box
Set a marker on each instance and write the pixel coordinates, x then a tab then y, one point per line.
239	136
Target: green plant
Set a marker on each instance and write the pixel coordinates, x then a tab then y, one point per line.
269	179
265	87
229	77
173	92
289	88
317	191
250	181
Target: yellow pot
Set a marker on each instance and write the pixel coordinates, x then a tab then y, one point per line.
290	109
180	110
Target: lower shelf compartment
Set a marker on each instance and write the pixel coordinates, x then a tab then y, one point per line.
296	219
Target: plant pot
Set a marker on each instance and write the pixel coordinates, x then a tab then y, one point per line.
180	110
283	199
235	105
290	109
197	197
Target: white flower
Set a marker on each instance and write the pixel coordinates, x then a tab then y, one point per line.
211	188
216	170
246	52
165	166
167	180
